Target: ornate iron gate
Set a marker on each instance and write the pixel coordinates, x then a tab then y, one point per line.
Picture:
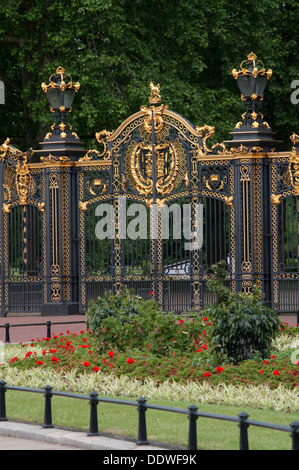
155	159
153	208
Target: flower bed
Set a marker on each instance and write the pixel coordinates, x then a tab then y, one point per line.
80	352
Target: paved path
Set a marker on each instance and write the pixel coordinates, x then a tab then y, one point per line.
22	436
27	333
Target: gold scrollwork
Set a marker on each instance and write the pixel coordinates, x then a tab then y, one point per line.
294	170
105	154
24	182
155	112
170	166
214	183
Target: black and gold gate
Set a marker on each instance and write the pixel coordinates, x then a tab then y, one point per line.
152	208
171	214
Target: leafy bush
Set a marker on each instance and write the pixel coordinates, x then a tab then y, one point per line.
127	322
242	326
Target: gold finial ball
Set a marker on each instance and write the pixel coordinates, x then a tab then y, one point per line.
251	56
60	71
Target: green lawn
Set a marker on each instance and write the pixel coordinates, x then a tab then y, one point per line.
162	426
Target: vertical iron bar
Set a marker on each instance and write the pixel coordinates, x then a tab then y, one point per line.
295	435
49	329
2	401
192	441
48	407
154	255
142	434
93	424
243	425
7	336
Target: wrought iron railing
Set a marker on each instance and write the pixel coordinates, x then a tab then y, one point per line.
48	324
242	420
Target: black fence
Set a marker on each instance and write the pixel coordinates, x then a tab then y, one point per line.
192	413
48	325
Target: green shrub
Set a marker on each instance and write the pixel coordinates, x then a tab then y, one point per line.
127	322
242	326
121	306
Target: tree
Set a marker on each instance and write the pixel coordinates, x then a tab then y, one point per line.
116	47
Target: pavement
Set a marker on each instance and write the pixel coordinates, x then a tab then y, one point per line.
24	436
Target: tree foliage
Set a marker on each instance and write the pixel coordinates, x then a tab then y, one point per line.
116	47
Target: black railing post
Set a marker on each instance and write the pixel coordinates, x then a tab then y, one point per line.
48	407
192	441
2	401
49	329
295	435
243	425
7	337
142	434
93	424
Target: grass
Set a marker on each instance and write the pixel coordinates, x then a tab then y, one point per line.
162	426
265	397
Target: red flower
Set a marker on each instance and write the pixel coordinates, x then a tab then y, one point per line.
265	362
272	357
96	369
130	360
86	364
104	360
207	374
54	360
39	363
28	353
261	371
205	319
199	350
219	369
151	293
110	353
13	359
276	372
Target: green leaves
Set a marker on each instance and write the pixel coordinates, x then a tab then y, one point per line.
241	324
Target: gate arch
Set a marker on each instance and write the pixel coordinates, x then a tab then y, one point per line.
155	161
